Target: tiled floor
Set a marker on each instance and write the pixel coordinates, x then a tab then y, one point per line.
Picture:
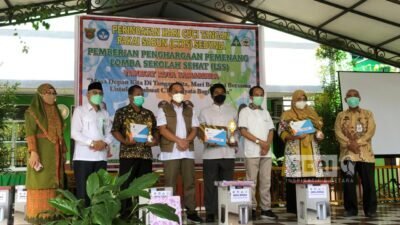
387	214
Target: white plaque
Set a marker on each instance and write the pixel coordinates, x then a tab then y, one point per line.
317	191
240	194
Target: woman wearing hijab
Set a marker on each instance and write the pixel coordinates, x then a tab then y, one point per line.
46	146
302	155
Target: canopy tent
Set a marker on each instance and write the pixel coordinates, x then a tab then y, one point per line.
369	28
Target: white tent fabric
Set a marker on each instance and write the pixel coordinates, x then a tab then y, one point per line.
370	28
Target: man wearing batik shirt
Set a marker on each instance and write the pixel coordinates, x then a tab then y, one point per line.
354	129
134	155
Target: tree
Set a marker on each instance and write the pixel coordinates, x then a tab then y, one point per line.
328	103
7	110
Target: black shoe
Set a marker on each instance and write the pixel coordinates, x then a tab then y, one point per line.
373	214
253	214
268	214
210	218
349	214
193	217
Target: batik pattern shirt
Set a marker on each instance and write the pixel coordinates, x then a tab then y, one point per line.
123	119
355	125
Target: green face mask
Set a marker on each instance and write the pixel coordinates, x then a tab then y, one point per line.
138	100
96	99
353	102
258	100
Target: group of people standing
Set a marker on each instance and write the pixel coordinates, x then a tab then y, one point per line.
174	128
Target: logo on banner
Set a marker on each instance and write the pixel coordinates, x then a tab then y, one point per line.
246	42
236	42
103	35
89	33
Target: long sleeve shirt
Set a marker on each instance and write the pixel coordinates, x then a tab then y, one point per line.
355	125
87	126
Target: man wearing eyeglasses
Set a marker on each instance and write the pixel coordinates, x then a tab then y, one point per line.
91	130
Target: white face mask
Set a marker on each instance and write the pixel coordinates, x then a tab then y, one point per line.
301	104
178	98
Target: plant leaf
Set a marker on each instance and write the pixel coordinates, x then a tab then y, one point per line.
100	215
92	184
106	188
105	178
145	181
132	191
121	179
67	194
163	211
103	197
65	206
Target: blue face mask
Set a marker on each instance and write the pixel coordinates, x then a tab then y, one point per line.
353	102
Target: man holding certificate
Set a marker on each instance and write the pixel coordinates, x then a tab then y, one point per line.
136	129
257	127
219	147
178	128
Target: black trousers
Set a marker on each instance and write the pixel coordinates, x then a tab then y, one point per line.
366	172
291	202
138	168
215	170
82	170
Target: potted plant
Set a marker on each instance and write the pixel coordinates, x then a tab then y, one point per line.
104	191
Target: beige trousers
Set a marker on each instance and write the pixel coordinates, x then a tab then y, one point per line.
261	168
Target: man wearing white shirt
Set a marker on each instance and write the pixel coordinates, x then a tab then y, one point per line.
256	126
91	130
178	127
218	161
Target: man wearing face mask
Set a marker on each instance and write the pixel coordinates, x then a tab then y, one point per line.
256	126
90	128
218	161
178	125
354	129
134	155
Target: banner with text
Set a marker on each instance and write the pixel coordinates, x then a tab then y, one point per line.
121	52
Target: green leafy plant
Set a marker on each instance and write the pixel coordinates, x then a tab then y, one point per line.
105	193
7	110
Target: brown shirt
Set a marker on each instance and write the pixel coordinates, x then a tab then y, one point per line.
360	126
